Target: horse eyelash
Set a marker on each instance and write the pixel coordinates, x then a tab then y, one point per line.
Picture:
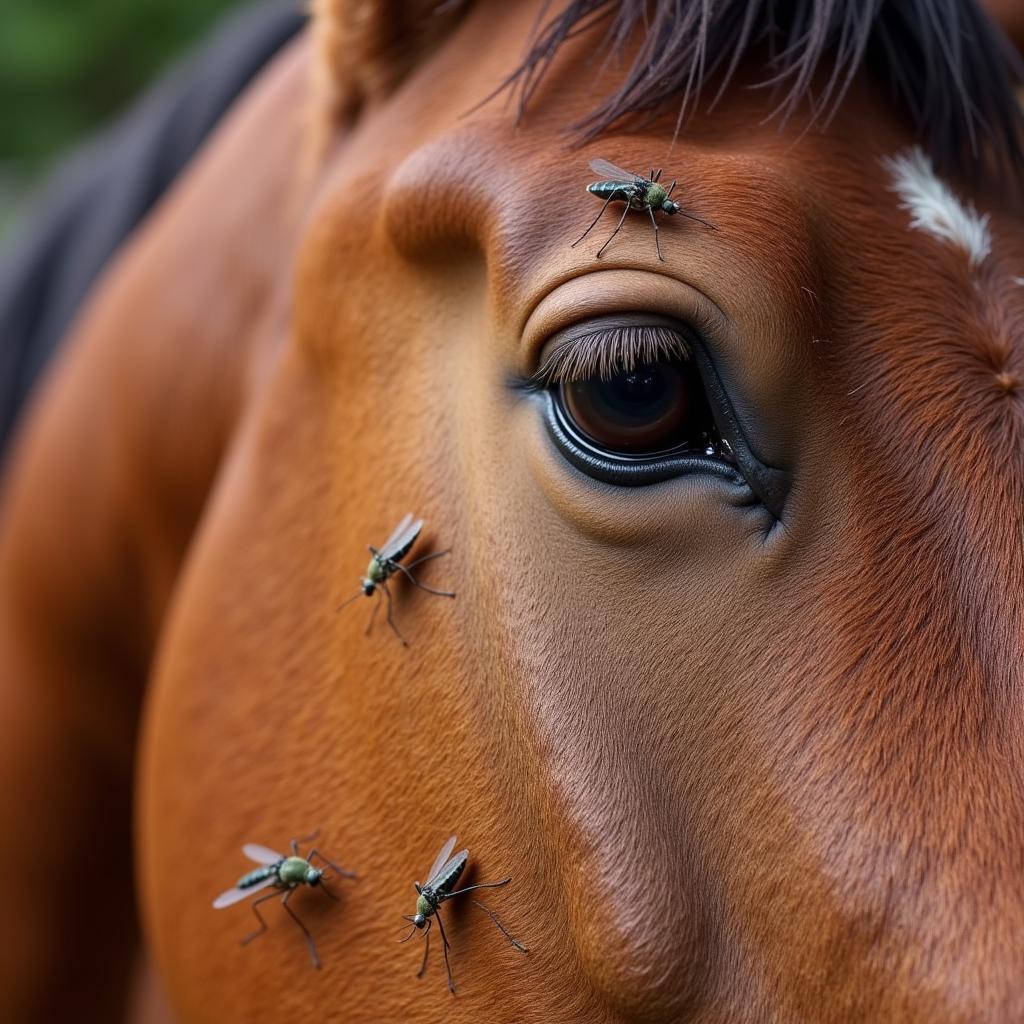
605	353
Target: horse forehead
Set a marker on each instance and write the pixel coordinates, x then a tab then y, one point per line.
822	207
490	153
523	189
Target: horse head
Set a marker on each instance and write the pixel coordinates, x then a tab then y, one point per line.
731	687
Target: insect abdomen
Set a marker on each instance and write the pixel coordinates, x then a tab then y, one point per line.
446	882
257	875
611	190
397	556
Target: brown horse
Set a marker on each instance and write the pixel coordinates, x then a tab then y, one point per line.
732	684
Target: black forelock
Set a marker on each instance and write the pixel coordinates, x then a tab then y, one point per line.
946	64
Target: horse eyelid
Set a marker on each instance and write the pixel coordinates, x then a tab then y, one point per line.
606	351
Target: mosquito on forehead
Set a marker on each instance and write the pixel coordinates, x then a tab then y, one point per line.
636	193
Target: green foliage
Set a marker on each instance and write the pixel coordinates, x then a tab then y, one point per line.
66	67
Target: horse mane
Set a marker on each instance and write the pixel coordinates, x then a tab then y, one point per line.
949	67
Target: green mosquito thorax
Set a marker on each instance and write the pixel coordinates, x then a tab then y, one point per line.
297	871
426	904
387	561
635	193
656	196
281	876
440	887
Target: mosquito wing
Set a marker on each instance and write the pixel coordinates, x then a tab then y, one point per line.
442	857
403	538
447	876
397	531
236	895
610	172
262	854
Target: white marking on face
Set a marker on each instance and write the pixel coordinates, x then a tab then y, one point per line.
935	209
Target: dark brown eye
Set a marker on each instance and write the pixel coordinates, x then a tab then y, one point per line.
625	399
635	411
652	408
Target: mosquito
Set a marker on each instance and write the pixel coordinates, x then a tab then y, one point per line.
387	561
438	889
637	193
280	873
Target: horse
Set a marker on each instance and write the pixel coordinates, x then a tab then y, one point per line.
731	687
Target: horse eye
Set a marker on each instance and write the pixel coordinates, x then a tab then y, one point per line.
654	409
625	399
639	411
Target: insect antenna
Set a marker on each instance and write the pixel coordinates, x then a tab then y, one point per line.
412	929
358	593
699	220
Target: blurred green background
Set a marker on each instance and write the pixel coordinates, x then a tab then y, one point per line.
67	67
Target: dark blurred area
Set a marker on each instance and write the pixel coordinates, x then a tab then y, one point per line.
66	74
67	68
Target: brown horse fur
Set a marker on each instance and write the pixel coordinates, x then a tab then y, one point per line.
741	767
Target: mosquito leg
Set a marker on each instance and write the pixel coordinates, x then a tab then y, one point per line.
296	843
259	917
614	233
431	590
592	226
447	965
305	931
480	885
671	188
334	867
427	558
426	950
657	244
391	621
416	583
327	892
373	615
501	928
